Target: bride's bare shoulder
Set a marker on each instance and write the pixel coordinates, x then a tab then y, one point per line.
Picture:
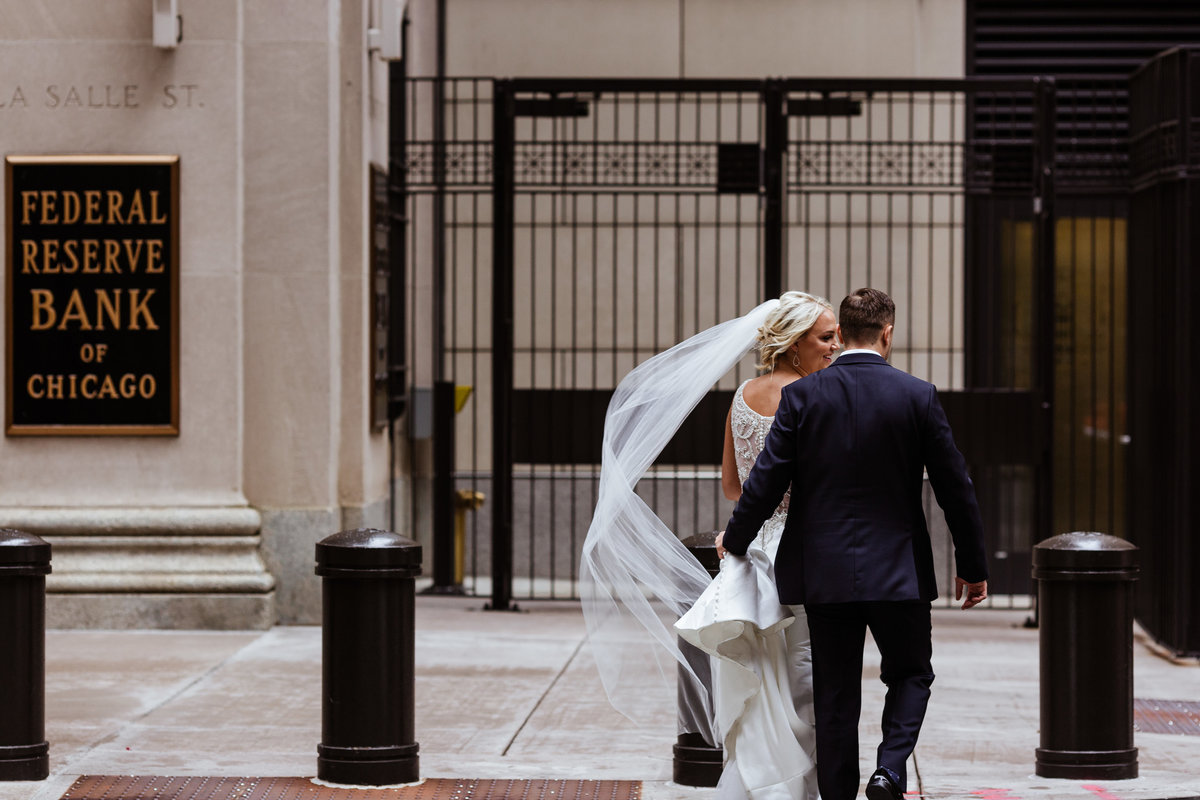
762	394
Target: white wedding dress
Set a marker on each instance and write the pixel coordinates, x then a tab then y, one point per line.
761	666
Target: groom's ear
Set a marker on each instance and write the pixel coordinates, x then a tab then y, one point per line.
885	338
837	331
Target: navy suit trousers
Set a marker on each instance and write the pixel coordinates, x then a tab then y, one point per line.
902	631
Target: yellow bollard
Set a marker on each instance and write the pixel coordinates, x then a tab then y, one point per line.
464	500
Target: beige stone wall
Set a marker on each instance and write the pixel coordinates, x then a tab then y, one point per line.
266	103
49	50
705	38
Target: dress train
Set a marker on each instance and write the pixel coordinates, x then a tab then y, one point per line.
761	674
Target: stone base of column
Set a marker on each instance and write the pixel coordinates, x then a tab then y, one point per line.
216	612
167	568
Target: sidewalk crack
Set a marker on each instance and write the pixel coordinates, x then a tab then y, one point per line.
543	696
116	734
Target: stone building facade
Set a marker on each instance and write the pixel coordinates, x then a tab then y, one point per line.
277	112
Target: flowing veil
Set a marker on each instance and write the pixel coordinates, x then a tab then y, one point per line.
636	577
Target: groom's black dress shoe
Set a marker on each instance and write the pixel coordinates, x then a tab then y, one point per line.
882	787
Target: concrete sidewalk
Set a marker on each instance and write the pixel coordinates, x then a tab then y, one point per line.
516	695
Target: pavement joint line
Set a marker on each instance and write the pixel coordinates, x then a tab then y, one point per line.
163	702
542	698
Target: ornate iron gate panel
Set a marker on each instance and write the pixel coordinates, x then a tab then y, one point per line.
634	216
934	191
589	224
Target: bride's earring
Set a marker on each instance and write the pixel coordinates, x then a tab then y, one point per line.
796	362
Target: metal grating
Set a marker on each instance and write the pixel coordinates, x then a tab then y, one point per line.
133	787
1166	716
1090	47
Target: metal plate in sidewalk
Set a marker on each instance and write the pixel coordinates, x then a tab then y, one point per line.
1166	716
134	787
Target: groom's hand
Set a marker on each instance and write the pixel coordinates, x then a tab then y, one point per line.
976	592
721	551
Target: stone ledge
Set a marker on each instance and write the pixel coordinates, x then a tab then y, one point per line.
161	611
160	582
134	521
137	567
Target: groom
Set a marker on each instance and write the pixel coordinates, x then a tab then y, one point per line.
854	442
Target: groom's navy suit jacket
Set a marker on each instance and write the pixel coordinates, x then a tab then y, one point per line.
854	442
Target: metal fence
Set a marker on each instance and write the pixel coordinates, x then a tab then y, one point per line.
1165	150
563	231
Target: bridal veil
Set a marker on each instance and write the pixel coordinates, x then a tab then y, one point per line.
636	577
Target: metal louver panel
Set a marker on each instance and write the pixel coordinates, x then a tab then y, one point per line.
1090	47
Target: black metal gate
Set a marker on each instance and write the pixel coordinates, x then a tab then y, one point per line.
592	223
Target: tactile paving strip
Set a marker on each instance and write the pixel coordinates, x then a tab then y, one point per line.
135	787
1166	716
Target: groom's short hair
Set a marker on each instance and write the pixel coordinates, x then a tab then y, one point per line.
864	314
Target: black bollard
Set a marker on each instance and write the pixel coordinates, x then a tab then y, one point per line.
367	658
1085	609
696	761
24	564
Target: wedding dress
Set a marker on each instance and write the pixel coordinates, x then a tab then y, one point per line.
761	668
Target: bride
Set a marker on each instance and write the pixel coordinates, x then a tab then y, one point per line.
636	577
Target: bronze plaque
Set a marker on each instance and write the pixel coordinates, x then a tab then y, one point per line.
92	295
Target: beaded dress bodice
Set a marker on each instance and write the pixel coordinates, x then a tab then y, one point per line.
749	436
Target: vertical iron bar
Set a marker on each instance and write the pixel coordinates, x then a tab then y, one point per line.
503	190
774	97
1116	424
553	348
475	407
1004	496
443	412
953	304
397	200
931	243
438	250
1044	117
531	270
572	373
443	490
1093	462
476	292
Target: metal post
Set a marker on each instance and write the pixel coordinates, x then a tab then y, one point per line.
503	188
397	202
397	237
367	658
1045	113
443	491
697	762
774	99
24	564
443	390
1085	602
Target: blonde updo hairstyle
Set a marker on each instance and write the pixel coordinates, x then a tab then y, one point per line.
794	317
